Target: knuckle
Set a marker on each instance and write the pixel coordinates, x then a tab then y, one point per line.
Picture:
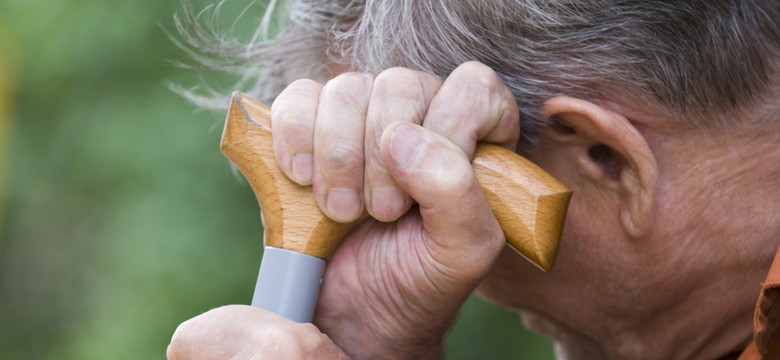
312	342
348	93
300	90
291	120
459	185
404	83
284	344
450	172
305	87
289	341
397	81
351	80
346	96
341	157
295	109
480	75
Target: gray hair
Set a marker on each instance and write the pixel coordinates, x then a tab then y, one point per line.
697	61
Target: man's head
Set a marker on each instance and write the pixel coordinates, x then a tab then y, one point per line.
661	116
691	61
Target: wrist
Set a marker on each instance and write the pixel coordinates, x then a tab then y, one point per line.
430	349
386	338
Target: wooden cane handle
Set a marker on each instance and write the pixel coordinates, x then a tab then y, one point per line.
529	204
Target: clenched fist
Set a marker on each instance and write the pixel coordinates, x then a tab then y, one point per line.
397	145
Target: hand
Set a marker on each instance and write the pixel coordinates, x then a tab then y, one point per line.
243	332
380	144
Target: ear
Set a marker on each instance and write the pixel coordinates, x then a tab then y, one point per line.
610	151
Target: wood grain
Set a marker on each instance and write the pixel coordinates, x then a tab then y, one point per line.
529	204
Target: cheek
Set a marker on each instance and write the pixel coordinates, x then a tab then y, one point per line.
588	267
513	282
591	234
596	259
592	239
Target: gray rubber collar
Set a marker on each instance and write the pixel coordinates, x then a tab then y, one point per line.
289	283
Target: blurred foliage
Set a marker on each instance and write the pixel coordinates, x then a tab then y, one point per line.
121	218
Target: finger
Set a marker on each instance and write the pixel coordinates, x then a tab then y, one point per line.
293	114
398	94
244	332
474	105
338	146
463	237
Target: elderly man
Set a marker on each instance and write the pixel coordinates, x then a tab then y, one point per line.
662	117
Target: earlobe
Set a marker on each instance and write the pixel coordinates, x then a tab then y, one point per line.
610	152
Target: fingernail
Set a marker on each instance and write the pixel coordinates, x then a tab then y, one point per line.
387	203
344	204
302	168
406	145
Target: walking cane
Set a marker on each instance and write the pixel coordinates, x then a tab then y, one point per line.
530	206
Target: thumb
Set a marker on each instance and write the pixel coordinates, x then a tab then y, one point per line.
461	233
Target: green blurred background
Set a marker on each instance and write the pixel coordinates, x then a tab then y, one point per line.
119	217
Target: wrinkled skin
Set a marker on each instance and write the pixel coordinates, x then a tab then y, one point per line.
644	251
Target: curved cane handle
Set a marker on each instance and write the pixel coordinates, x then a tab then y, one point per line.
529	204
